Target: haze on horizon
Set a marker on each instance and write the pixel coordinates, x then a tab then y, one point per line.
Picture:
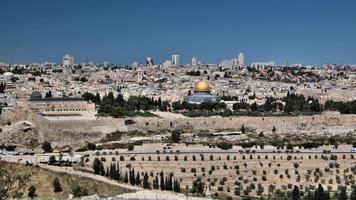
124	31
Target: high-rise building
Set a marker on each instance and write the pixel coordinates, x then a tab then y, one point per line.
175	60
68	61
149	62
194	61
241	58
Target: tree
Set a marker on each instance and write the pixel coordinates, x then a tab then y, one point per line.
48	94
342	195
12	183
52	160
91	146
97	99
161	180
47	147
32	192
138	179
130	147
126	179
98	166
56	185
118	111
155	183
224	145
319	193
353	194
78	191
295	193
145	183
177	105
176	135
2	87
198	187
176	186
243	129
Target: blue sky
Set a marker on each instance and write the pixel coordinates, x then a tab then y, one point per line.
123	31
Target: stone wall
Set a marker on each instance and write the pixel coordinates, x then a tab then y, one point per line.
264	123
68	132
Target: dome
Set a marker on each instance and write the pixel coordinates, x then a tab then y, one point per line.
202	86
36	95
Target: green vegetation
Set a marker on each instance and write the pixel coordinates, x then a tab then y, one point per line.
134	106
78	191
47	147
176	135
12	184
193	73
57	185
342	107
294	104
98	167
198	187
32	192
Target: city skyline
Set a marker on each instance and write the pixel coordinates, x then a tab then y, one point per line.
122	32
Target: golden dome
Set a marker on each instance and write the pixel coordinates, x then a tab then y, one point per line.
202	86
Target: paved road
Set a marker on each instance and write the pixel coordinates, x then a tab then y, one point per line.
232	152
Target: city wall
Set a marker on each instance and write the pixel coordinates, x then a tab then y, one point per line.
66	132
264	123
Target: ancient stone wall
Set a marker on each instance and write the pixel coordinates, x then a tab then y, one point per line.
266	123
66	132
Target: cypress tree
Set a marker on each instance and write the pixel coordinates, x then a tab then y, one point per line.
319	193
57	185
162	180
138	179
176	186
132	177
126	179
166	183
155	183
107	173
353	194
145	181
116	175
295	193
342	195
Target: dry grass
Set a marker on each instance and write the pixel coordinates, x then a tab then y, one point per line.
42	179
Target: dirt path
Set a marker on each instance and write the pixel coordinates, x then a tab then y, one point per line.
138	192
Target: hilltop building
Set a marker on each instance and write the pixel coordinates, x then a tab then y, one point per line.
202	94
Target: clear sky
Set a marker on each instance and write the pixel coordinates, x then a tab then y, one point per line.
124	31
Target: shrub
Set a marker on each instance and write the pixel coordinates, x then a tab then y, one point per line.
56	185
47	147
32	192
91	146
176	135
52	160
130	147
224	145
77	191
98	166
264	178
